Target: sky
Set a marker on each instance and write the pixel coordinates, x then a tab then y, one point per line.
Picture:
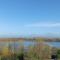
29	17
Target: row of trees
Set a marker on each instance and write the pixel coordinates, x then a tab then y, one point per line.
39	51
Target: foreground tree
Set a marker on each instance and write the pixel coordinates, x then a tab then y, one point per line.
39	52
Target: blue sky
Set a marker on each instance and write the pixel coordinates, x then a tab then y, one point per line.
29	17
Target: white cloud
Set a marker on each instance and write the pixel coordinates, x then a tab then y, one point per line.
43	25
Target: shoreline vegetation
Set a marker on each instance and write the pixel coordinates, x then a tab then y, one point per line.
14	49
30	39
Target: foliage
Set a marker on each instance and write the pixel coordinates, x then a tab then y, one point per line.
58	53
39	52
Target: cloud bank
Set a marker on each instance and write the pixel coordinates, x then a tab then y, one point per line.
43	25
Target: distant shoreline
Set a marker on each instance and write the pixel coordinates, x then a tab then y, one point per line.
30	39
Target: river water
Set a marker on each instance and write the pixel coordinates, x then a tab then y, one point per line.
27	43
53	44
